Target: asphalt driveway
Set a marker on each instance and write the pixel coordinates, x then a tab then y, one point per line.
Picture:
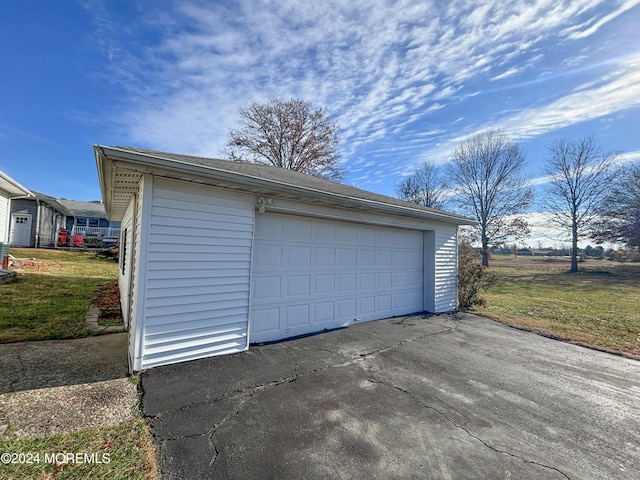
441	397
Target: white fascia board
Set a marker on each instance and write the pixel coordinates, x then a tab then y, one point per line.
240	178
13	188
105	178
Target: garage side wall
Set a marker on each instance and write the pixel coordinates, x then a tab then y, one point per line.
446	269
196	300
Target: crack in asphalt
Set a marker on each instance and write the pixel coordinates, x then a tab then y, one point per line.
210	434
464	429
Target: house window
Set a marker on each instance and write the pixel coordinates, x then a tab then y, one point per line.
81	222
94	222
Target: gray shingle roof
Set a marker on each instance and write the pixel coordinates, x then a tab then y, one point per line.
83	209
288	177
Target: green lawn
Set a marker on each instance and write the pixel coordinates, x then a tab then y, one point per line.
51	295
599	306
49	300
121	452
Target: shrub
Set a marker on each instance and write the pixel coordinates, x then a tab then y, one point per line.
472	277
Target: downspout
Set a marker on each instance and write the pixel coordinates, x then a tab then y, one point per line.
39	215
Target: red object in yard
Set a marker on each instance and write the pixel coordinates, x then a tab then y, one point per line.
5	262
62	237
76	240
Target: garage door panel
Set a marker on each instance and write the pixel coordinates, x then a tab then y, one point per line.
347	234
384	258
324	257
384	237
399	300
270	227
384	303
267	288
400	279
347	282
298	256
299	285
267	255
348	257
347	308
367	305
324	312
366	258
325	233
383	280
265	320
297	315
312	274
298	229
324	283
367	281
366	235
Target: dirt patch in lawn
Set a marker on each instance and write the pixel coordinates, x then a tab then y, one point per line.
107	300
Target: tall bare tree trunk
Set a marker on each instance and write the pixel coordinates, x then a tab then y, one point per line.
485	251
574	245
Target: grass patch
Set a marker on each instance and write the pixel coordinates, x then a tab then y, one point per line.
598	306
126	452
51	296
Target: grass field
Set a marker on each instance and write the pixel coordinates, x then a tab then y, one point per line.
51	296
598	306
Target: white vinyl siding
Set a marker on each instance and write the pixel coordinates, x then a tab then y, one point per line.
446	269
198	273
313	274
4	216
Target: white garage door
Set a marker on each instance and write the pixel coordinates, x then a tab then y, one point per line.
311	274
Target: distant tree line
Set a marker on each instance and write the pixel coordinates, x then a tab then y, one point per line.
587	194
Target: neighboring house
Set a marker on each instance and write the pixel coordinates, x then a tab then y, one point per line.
43	214
87	220
216	254
10	225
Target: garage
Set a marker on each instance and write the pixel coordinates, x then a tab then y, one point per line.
218	255
314	274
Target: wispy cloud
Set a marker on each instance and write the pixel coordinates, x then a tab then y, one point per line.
386	74
592	25
619	91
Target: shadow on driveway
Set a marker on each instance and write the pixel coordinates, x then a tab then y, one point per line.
437	397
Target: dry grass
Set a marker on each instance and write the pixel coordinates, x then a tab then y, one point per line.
598	306
125	451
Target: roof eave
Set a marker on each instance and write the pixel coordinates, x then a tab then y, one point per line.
105	156
105	177
13	188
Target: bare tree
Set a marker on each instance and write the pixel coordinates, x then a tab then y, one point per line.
486	175
288	134
516	231
425	187
579	179
619	218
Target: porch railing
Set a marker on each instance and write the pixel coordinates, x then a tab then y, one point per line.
105	232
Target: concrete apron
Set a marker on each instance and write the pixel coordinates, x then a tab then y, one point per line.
439	397
56	386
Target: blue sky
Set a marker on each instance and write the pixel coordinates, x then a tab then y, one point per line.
405	80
